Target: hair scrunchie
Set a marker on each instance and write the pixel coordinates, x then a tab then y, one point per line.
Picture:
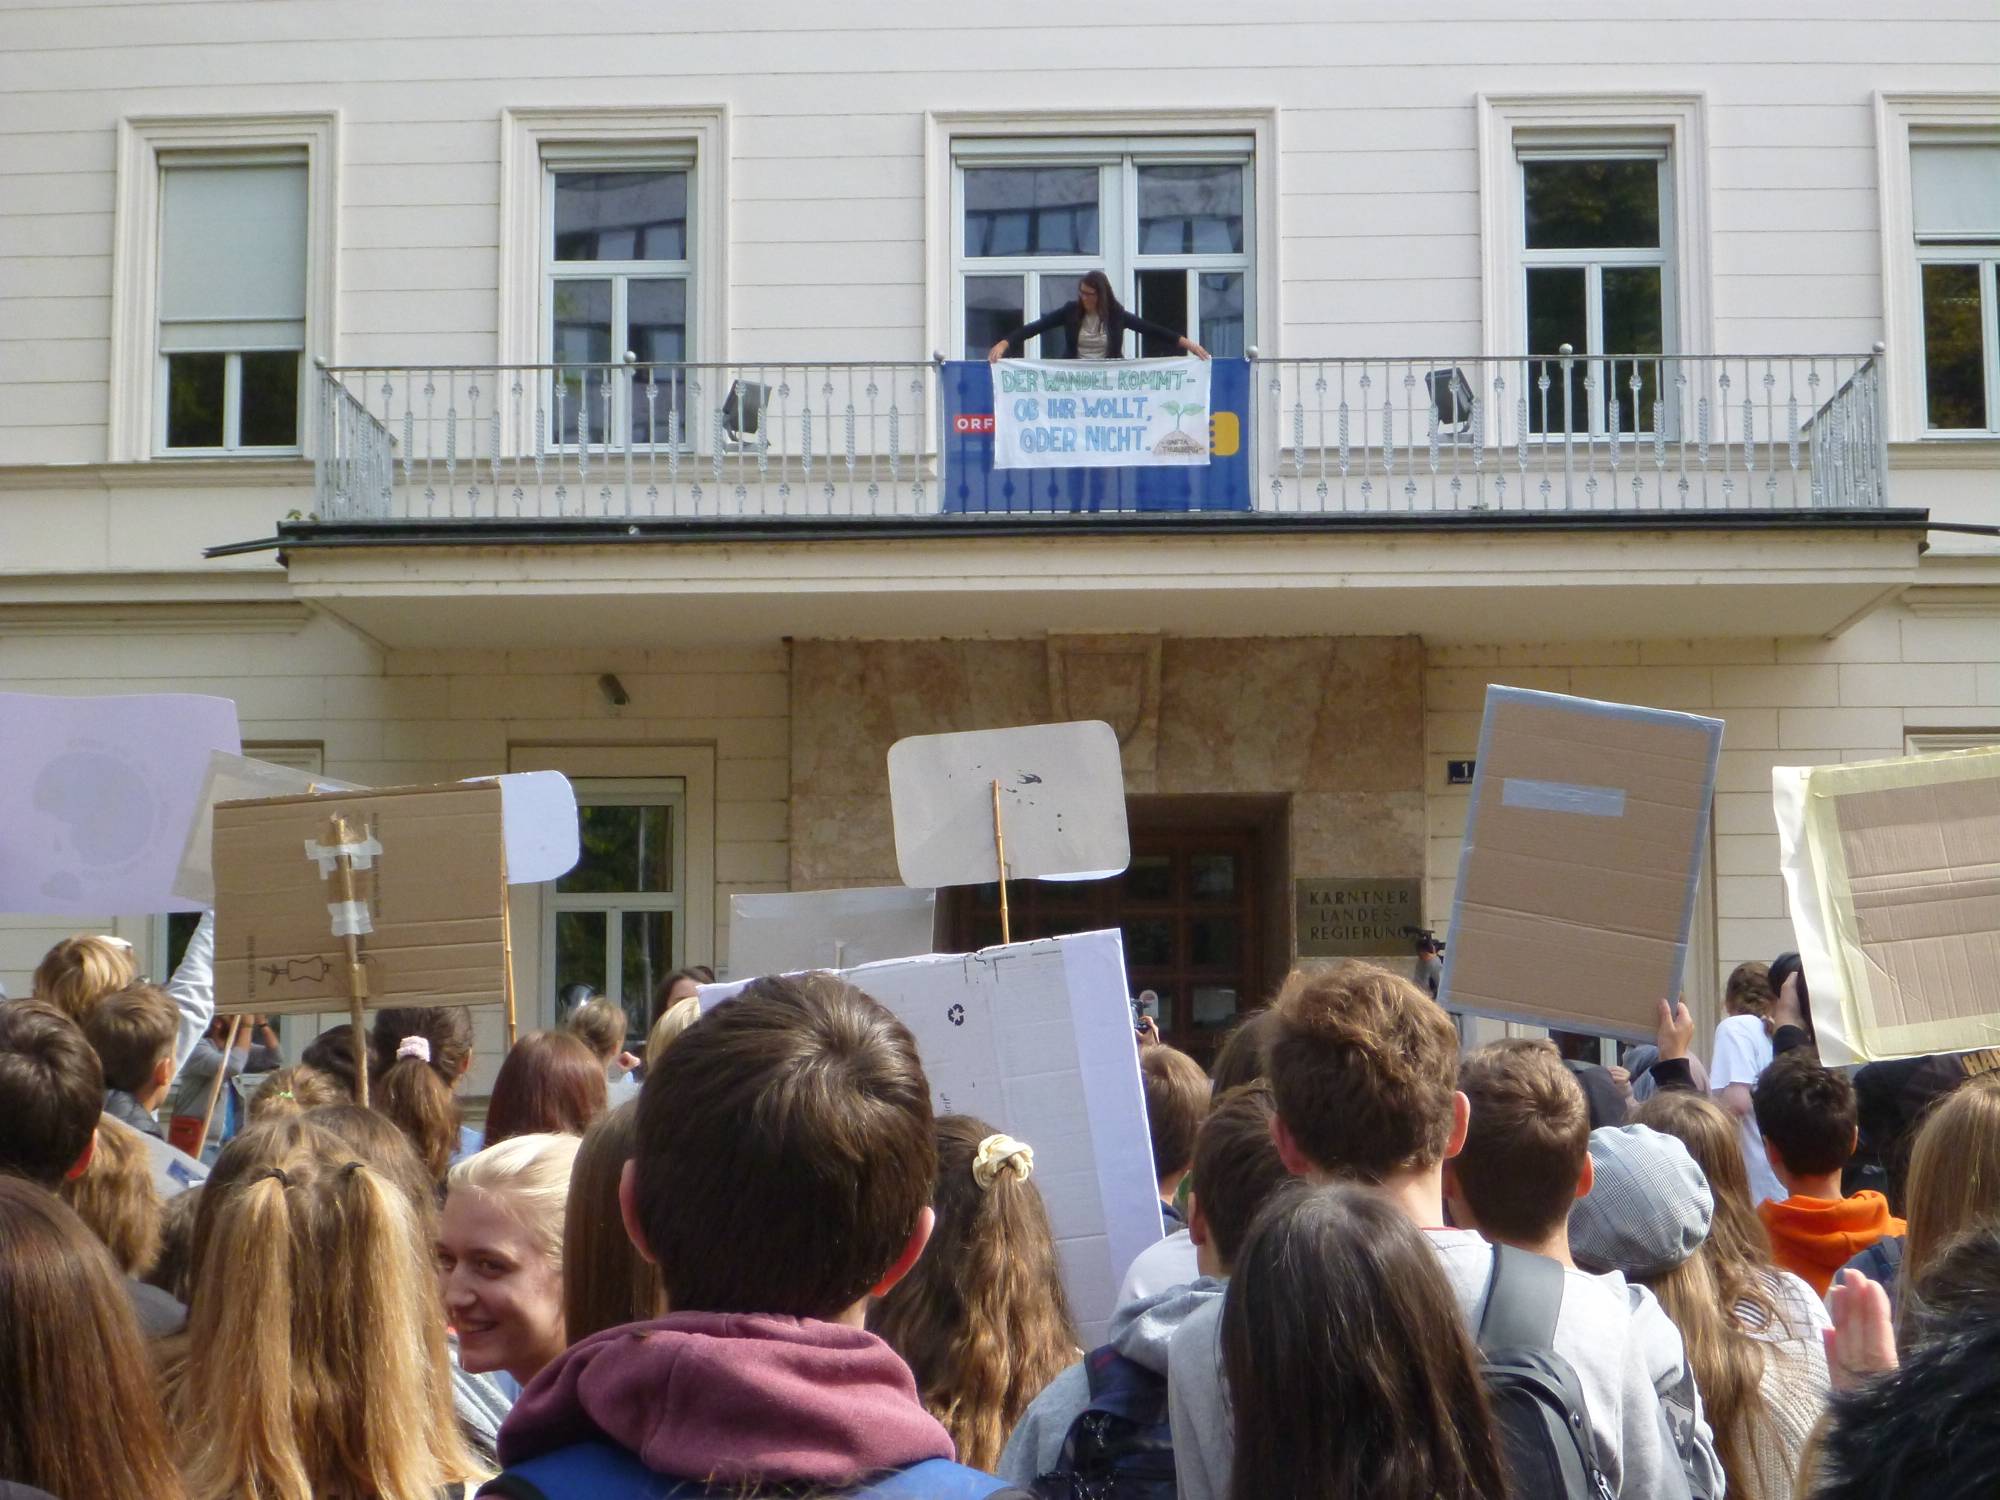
414	1046
1000	1153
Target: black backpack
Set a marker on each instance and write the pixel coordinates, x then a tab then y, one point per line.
1545	1438
1120	1446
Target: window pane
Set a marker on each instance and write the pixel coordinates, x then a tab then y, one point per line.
622	849
1162	298
1954	358
1149	879
194	400
1149	943
1053	292
1555	318
270	416
621	215
656	331
1587	204
1213	942
1214	1006
1213	877
1031	211
1191	210
581	334
1634	323
992	308
580	949
646	956
1222	314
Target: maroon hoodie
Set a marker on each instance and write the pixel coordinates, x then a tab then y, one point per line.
732	1397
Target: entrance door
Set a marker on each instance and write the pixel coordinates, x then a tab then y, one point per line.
1188	909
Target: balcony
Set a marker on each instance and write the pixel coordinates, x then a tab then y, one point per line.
1462	499
1393	441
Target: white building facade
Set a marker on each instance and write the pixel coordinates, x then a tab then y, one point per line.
567	388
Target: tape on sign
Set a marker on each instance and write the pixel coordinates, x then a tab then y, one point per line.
361	856
1562	797
350	918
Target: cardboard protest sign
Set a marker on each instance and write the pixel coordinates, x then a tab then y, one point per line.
784	932
429	907
1036	1039
1087	413
1061	799
1582	848
97	798
1893	870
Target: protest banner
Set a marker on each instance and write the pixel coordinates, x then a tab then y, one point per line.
1892	871
1089	413
98	795
1038	802
1036	1039
782	932
1583	846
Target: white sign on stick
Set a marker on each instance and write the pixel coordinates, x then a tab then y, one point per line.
97	795
783	932
538	822
234	778
1100	414
1036	1039
1061	795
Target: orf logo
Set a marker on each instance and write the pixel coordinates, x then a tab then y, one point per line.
972	421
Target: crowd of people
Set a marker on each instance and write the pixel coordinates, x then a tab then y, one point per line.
1389	1267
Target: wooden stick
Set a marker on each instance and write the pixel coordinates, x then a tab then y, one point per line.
215	1086
340	834
507	949
1000	854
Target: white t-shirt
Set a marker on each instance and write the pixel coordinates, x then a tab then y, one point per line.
1742	1053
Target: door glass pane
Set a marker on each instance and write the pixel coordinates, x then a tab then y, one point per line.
1031	211
1591	204
580	949
1222	314
622	849
1213	942
1163	298
270	400
1214	1007
1149	879
1149	943
1191	210
621	215
1634	323
992	309
1555	317
656	331
581	335
194	400
645	957
1954	360
1052	292
1212	877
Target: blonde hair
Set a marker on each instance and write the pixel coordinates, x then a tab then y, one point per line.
316	1362
117	1199
1954	1180
606	1281
293	1091
600	1026
80	971
675	1019
533	1173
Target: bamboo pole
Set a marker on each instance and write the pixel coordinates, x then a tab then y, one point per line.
215	1086
339	837
1000	855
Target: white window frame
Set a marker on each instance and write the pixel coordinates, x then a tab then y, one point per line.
136	426
1118	160
693	137
1903	119
1598	126
1025	137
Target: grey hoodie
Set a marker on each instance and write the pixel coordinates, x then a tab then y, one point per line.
1142	1331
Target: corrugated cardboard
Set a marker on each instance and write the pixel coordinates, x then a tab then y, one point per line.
1582	848
1906	855
435	899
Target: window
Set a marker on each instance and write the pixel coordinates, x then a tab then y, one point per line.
616	919
1168	221
617	272
1955	203
1594	261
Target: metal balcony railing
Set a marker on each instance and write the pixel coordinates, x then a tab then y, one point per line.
1565	433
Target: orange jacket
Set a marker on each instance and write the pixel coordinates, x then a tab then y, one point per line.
1814	1237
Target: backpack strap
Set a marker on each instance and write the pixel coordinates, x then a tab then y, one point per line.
933	1479
1523	1300
583	1471
1124	1387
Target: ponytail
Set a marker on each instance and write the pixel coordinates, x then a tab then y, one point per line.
414	1095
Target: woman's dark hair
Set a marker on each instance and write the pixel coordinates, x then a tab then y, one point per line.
550	1083
417	1091
697	973
606	1281
1782	968
1242	1057
332	1053
1350	1370
1109	308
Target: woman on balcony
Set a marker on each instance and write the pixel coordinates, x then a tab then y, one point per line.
1094	326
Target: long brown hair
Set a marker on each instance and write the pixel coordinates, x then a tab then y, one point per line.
1954	1177
982	1320
116	1197
418	1092
1350	1369
1108	306
606	1281
1722	1297
316	1362
81	1415
549	1084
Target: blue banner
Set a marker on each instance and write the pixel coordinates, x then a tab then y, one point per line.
972	484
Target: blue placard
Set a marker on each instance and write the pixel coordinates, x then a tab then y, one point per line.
972	484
